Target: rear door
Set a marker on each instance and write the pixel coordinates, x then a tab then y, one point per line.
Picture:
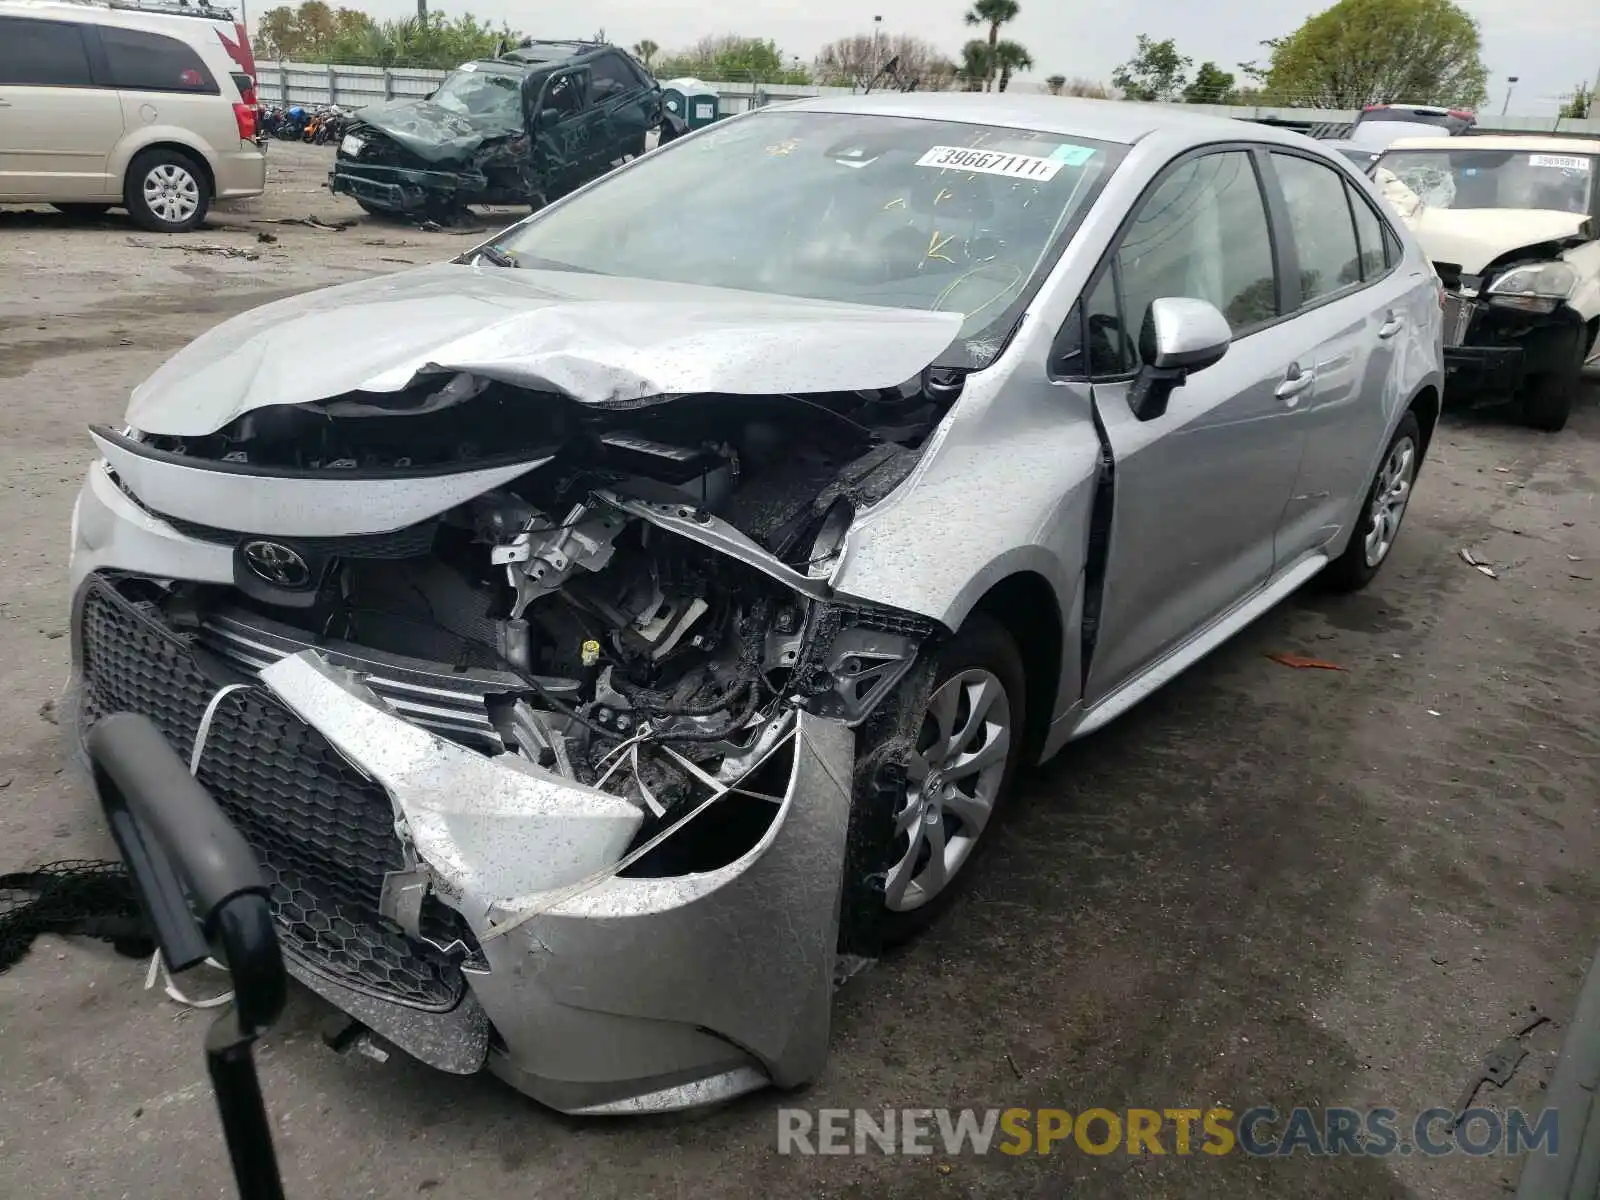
623	100
1197	492
57	129
1351	307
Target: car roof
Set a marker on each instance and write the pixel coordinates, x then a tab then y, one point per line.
1531	143
1103	120
539	53
158	16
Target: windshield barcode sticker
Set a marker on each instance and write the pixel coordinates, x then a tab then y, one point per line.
991	162
1562	162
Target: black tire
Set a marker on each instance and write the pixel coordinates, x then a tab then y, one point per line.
983	644
80	209
1548	395
176	168
1351	571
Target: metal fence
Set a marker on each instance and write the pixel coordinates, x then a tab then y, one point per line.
355	87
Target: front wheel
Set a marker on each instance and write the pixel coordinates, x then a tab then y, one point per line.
1383	510
965	754
166	191
1549	394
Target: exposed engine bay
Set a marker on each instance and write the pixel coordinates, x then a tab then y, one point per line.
643	611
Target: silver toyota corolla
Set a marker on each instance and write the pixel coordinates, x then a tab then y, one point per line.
610	640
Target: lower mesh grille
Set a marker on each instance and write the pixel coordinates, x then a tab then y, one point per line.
324	834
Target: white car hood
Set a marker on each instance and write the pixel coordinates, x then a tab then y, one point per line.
599	339
1474	237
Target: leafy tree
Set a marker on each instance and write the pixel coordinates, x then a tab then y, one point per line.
732	59
1577	107
1009	57
1362	52
285	32
1055	83
993	13
977	65
1156	71
1211	85
902	63
645	50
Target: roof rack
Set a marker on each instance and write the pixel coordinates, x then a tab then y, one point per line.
171	8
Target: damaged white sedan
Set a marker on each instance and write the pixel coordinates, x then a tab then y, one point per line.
612	638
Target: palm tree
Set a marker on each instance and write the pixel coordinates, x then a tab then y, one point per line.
993	13
645	50
976	62
1009	57
1055	83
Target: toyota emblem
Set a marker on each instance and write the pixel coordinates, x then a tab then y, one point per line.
277	564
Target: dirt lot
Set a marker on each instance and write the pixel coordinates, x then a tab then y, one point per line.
1264	886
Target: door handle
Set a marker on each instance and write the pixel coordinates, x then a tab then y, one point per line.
1391	325
1295	382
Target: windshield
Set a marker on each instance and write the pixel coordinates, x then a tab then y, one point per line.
875	210
1463	179
483	95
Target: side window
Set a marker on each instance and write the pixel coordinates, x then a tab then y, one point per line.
1202	233
149	62
1324	234
612	77
1369	236
1110	342
1392	253
42	54
565	95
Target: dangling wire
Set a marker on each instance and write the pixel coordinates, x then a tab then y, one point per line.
157	966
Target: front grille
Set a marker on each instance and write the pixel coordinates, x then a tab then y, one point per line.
324	833
1458	314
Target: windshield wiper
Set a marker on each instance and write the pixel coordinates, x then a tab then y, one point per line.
495	255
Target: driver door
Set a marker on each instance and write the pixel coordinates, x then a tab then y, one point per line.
563	135
1197	491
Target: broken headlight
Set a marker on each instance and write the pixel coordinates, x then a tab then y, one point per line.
1534	287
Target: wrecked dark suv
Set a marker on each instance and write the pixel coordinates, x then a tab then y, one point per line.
524	128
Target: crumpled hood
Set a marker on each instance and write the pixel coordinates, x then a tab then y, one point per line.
1474	237
597	338
432	133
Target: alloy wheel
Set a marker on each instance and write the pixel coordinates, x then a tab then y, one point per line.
954	779
1389	500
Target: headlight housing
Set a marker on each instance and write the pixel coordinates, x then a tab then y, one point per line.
1534	287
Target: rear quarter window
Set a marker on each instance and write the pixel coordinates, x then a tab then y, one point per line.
152	62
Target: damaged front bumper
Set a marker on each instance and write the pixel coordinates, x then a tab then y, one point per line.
406	189
479	910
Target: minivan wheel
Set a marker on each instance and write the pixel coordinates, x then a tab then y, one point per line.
82	209
167	192
1381	512
963	759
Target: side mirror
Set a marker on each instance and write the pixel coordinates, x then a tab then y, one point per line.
549	118
1180	334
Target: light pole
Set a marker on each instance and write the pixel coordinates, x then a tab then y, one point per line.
1511	83
877	24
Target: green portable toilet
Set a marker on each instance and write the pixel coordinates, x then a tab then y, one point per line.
695	101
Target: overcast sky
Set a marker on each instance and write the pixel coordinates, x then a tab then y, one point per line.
1550	44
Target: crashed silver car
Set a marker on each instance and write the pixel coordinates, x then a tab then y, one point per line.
610	640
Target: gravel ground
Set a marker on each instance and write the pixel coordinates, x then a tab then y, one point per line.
1263	886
